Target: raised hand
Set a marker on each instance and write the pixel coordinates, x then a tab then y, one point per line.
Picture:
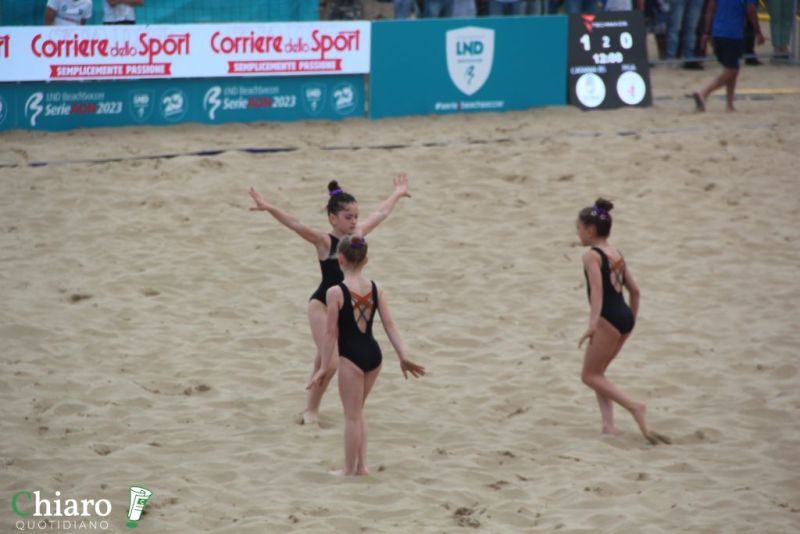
261	204
401	184
316	380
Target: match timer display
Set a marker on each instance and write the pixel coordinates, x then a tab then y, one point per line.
608	61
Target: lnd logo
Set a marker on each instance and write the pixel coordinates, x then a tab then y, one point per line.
470	53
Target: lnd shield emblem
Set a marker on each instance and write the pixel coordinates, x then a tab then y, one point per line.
470	52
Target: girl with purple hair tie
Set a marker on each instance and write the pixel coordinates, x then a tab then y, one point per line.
611	319
342	211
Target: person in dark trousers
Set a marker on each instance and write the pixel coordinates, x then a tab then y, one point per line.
725	23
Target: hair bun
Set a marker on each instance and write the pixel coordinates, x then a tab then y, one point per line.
604	204
333	185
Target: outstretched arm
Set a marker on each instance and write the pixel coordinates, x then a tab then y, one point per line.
385	207
335	299
591	263
312	235
406	365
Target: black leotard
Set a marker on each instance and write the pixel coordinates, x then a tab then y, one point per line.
331	272
615	310
357	346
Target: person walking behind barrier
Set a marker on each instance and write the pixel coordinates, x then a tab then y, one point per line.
780	27
684	16
403	9
120	11
624	5
580	6
725	23
537	7
750	57
464	9
67	12
342	9
656	13
437	8
498	8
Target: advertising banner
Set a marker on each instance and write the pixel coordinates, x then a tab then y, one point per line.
608	65
46	106
459	65
68	53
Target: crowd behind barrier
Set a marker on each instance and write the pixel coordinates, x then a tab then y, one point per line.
676	24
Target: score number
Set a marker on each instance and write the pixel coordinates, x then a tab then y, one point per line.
625	41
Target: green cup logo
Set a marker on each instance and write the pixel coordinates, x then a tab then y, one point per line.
139	497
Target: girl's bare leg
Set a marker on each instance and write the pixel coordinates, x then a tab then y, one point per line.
316	319
606	405
603	348
606	414
369	381
351	390
730	88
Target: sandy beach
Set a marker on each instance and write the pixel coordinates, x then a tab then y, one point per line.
154	330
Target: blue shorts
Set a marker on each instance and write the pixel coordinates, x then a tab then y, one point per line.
728	51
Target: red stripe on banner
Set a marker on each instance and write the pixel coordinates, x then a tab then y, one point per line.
121	70
284	66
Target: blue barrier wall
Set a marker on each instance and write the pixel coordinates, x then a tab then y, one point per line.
460	65
64	106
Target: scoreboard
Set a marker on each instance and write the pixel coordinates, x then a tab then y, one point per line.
607	58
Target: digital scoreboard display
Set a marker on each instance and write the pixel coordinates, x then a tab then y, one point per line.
607	61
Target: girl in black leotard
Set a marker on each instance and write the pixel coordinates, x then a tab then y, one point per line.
351	311
611	320
343	218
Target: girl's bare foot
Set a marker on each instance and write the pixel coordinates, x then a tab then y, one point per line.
343	473
730	108
309	418
610	430
638	415
650	435
699	102
654	437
